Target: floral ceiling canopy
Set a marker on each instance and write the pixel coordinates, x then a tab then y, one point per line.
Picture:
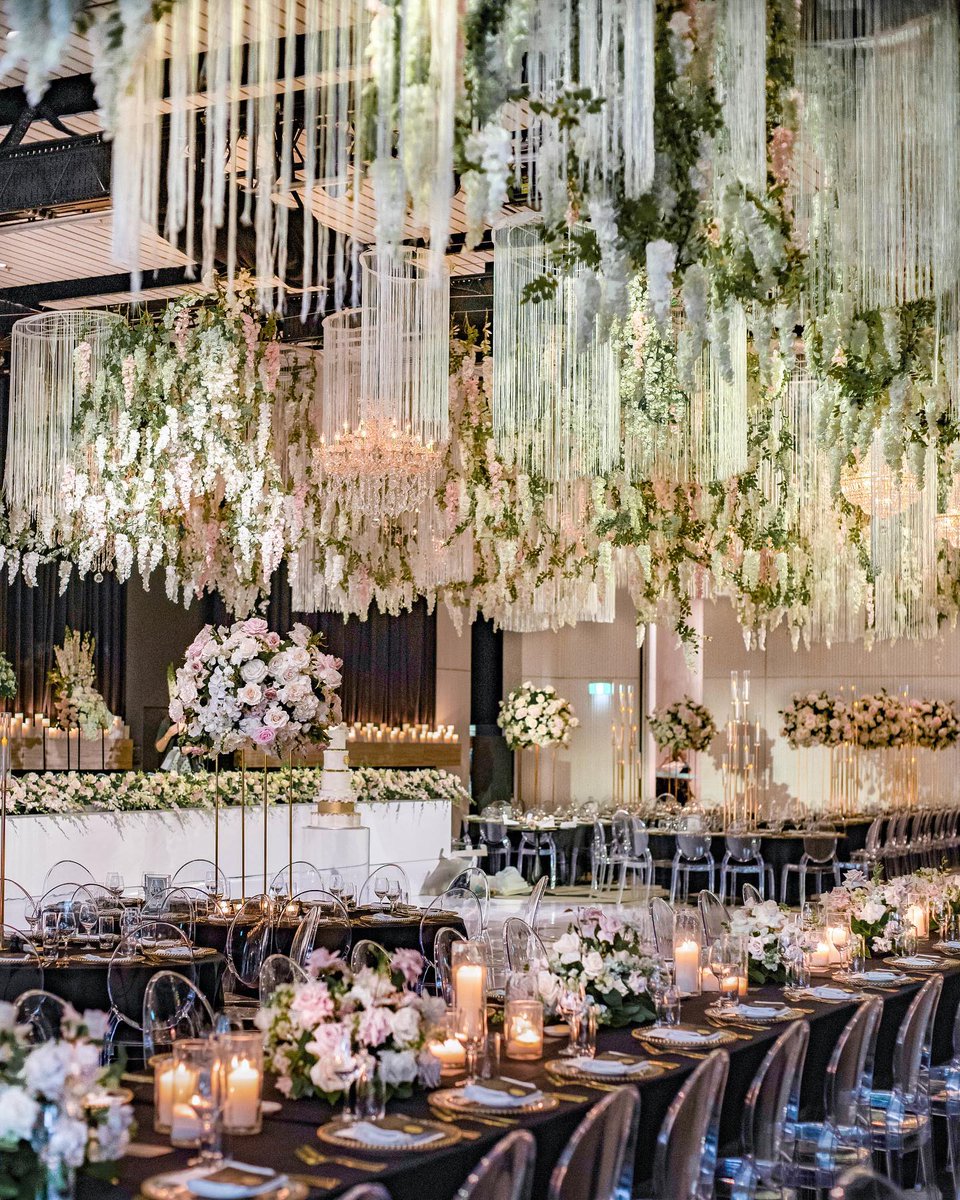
725	349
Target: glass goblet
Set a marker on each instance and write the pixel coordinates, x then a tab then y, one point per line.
394	893
87	916
67	927
207	1102
470	1027
114	883
345	1066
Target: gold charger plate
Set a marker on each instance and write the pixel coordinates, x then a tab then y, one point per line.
450	1136
562	1070
737	1015
861	981
717	1037
917	962
451	1100
168	1187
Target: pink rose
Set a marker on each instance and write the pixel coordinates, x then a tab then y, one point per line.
255	626
265	736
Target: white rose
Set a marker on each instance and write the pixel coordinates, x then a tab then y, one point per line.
275	717
253	671
398	1066
249	694
405	1025
872	912
18	1115
593	964
45	1069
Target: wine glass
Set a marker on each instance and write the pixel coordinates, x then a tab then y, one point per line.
394	893
570	1005
67	926
87	917
207	1102
348	893
114	883
335	884
50	923
380	889
345	1064
470	1025
212	884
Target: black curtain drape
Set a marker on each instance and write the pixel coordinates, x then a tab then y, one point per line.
390	663
33	620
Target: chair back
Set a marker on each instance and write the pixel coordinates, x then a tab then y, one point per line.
531	908
173	1008
160	943
250	940
18	904
494	832
622	833
277	970
694	847
181	906
204	874
442	960
366	1191
506	1173
474	880
597	1163
850	1070
640	837
860	1183
466	906
387	873
742	846
326	925
296	877
911	1055
750	894
67	870
713	914
662	915
773	1099
368	953
686	1154
820	843
522	945
41	1013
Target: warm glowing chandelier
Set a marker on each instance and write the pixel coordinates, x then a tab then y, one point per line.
871	485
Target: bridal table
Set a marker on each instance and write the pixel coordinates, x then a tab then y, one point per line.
405	1173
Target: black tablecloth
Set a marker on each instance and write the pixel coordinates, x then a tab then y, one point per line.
84	984
437	1175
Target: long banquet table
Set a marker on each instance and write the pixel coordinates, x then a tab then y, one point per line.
406	1173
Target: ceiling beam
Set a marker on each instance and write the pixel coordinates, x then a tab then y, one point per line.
46	175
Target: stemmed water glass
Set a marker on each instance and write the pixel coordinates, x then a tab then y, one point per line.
335	883
345	1066
725	962
570	1006
114	884
470	1027
50	920
394	892
348	893
381	887
67	926
88	916
207	1102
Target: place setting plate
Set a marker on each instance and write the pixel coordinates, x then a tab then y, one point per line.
232	1181
493	1097
950	947
390	1134
604	1068
916	962
685	1037
878	977
825	993
756	1012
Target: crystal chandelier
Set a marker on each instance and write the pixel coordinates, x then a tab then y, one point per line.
379	468
875	488
948	522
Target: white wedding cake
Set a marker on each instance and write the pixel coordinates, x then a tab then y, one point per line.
335	804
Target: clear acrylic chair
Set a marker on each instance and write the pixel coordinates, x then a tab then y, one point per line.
506	1173
597	1163
900	1118
385	875
203	873
461	902
750	894
19	907
22	964
824	1150
863	1184
305	877
474	880
368	953
714	915
769	1115
41	1014
366	1191
536	844
819	858
742	856
493	835
326	925
67	870
686	1156
945	1103
602	859
661	913
250	941
692	856
524	949
531	907
181	906
155	941
633	851
173	1007
278	969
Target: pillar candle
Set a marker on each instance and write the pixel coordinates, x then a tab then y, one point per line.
686	958
469	991
243	1095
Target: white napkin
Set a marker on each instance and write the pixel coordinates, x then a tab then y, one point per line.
674	1033
489	1097
825	992
879	976
379	1135
918	960
199	1184
760	1010
608	1066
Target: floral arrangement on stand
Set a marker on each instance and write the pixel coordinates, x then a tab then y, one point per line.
536	716
376	1007
770	932
603	954
814	719
936	724
682	726
69	793
51	1123
881	721
247	687
73	679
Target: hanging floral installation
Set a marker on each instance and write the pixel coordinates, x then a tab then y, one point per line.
725	356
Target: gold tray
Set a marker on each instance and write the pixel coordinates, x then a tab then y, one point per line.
451	1135
450	1100
562	1070
718	1037
166	1187
785	1014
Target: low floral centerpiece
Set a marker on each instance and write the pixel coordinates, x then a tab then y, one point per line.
682	726
53	1118
870	905
73	679
246	687
536	716
376	1006
770	933
604	955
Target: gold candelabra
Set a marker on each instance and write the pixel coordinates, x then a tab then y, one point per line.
627	770
742	777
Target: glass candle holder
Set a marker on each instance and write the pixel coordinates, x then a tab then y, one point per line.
918	916
468	969
523	1029
242	1068
191	1064
163	1074
445	1047
687	950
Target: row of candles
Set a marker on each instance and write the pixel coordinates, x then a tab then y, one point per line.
39	724
371	732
